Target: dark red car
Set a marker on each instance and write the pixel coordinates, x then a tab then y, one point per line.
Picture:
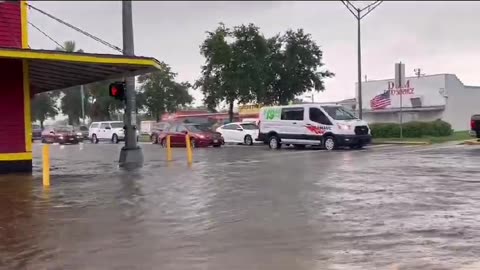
200	135
61	135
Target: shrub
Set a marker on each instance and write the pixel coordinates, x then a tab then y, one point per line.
413	129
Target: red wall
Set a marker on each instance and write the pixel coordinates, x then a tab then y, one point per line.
10	25
12	125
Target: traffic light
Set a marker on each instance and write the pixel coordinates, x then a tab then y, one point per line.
117	90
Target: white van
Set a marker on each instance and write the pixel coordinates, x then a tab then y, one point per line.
107	131
330	126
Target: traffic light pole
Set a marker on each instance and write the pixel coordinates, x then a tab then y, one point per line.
131	155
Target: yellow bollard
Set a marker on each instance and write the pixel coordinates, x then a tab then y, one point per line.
46	165
169	149
189	149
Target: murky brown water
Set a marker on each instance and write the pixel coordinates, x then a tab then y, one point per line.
246	208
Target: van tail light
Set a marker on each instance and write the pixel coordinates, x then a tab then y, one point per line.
473	125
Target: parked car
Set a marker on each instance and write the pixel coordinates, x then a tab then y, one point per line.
200	135
239	132
83	132
330	126
107	131
61	135
36	132
156	130
475	126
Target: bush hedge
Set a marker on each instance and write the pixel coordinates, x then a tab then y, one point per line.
435	128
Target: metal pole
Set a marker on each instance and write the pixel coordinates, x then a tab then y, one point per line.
83	103
401	99
131	155
359	52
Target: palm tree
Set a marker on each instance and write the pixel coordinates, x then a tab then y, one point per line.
71	102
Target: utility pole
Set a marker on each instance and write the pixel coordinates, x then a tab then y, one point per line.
131	155
83	103
357	13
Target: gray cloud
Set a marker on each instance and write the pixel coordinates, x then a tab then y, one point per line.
440	37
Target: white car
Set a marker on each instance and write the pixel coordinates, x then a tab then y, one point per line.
107	131
239	132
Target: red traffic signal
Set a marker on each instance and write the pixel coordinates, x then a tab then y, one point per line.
117	90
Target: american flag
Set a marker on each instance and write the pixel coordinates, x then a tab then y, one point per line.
380	101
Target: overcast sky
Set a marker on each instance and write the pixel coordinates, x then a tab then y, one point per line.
439	37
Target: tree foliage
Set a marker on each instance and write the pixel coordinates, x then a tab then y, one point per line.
160	93
102	105
43	106
241	65
71	100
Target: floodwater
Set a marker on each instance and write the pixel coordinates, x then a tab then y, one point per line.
246	208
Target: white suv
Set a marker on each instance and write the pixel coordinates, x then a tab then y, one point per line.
107	131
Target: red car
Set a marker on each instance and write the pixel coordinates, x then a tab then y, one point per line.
200	136
61	135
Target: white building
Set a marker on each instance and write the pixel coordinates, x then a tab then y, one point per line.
424	98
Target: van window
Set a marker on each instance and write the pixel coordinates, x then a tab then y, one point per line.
117	125
292	114
104	125
316	115
94	125
339	113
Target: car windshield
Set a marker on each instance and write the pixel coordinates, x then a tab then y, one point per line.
63	129
197	128
249	126
339	113
83	128
117	125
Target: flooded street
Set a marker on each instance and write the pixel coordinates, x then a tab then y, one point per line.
245	208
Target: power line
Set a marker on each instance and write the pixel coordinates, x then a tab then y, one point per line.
77	29
49	37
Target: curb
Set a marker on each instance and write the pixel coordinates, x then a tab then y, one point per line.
403	143
470	142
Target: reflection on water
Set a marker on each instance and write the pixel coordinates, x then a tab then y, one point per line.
244	208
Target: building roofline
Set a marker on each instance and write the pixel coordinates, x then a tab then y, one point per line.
411	77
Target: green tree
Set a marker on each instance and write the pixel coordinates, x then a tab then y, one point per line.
215	83
234	71
44	106
295	61
71	101
242	66
102	104
160	92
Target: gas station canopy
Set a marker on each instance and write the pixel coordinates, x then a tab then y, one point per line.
54	70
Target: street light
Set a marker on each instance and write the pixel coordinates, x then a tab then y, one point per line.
357	13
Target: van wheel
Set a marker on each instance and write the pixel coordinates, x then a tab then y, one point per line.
274	142
329	143
248	140
94	138
115	138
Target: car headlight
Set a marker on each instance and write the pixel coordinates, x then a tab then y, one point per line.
79	134
343	126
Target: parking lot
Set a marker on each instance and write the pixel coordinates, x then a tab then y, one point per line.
245	207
